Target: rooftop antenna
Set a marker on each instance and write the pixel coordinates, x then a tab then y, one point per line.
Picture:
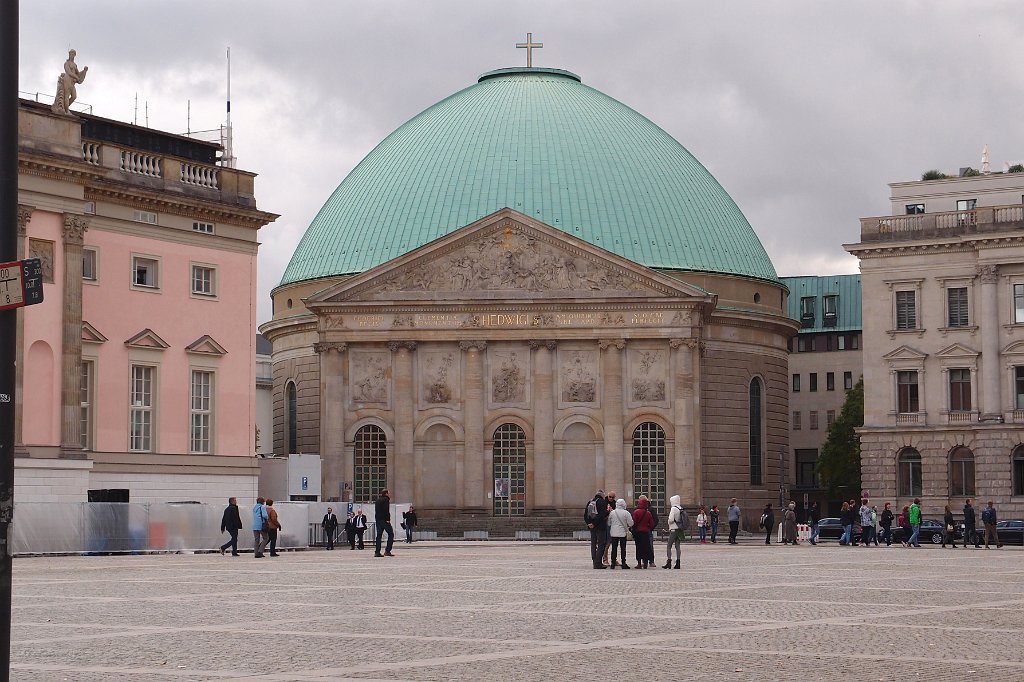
985	168
135	120
229	154
188	118
147	113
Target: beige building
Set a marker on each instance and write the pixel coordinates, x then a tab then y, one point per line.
825	362
943	292
524	294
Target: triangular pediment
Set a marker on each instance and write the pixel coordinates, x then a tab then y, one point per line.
147	338
90	334
205	345
957	350
905	353
506	255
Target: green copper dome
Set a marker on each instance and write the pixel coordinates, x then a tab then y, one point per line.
542	143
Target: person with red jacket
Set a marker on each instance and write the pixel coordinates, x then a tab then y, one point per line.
643	524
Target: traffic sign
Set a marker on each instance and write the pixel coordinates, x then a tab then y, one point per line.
21	283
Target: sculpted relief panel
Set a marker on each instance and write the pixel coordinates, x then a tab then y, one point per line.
370	374
648	369
439	378
509	259
578	372
509	376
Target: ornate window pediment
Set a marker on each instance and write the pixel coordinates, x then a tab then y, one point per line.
205	345
90	334
147	339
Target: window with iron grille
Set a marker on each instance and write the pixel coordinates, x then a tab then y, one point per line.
906	310
370	457
649	464
813	418
508	454
797	420
956	302
755	437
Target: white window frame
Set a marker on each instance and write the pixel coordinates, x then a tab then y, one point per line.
156	261
213	293
148	217
202	412
91	254
204	227
947	283
139	409
87	402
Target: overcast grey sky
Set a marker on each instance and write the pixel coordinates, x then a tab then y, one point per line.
803	110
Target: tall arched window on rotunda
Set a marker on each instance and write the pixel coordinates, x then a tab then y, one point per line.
755	438
649	464
291	397
371	463
961	472
509	461
908	472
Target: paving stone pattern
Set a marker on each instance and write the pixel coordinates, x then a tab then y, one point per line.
523	611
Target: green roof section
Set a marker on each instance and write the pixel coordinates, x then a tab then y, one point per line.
540	142
846	289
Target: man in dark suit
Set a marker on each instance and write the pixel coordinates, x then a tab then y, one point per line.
231	523
382	515
330	526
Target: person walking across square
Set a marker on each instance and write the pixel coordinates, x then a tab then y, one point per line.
329	524
260	536
231	523
734	521
382	517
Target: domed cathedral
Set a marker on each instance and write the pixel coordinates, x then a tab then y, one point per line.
526	293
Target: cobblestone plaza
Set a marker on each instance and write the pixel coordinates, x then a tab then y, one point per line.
525	611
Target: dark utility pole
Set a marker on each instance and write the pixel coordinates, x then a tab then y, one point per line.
8	318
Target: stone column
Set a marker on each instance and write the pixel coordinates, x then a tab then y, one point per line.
686	472
71	343
24	215
617	470
472	464
403	404
332	417
989	323
542	472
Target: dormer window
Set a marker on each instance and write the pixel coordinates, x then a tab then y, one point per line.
807	311
831	311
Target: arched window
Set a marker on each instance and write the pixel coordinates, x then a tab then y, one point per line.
370	454
961	472
908	474
291	397
1018	470
509	462
649	464
755	438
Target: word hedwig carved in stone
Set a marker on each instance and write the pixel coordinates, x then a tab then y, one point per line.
66	82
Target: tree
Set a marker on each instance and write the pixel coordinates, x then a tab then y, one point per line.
839	461
933	175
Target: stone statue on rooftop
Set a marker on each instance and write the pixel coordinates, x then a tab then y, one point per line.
66	93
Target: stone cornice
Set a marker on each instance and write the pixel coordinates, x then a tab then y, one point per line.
299	324
137	197
964	244
56	167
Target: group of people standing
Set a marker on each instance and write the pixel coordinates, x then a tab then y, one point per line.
265	527
611	524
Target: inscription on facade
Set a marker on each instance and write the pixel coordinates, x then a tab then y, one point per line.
507	320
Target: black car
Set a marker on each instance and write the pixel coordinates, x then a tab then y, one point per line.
931	531
1010	532
832	529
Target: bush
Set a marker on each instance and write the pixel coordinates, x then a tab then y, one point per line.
933	175
1016	168
971	173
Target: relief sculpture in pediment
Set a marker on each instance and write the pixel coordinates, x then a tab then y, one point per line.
511	260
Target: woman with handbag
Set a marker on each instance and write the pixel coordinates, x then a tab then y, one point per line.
619	523
949	528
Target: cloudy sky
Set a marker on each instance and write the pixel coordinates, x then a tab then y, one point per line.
803	110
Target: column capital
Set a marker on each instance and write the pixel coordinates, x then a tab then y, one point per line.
617	344
330	346
549	344
24	213
75	226
396	346
472	345
988	274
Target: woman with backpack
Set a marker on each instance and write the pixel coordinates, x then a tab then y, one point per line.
619	523
643	524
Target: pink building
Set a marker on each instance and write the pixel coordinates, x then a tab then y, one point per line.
136	374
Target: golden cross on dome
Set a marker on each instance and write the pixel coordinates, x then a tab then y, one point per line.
529	45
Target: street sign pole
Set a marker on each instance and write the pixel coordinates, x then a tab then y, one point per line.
8	318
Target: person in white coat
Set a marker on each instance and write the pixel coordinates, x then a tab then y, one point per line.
619	523
676	528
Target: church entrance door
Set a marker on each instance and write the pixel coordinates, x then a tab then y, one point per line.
509	458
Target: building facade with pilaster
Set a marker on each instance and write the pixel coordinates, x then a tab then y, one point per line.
943	315
527	293
136	373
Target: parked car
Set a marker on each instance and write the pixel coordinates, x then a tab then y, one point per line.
1011	532
831	529
931	531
